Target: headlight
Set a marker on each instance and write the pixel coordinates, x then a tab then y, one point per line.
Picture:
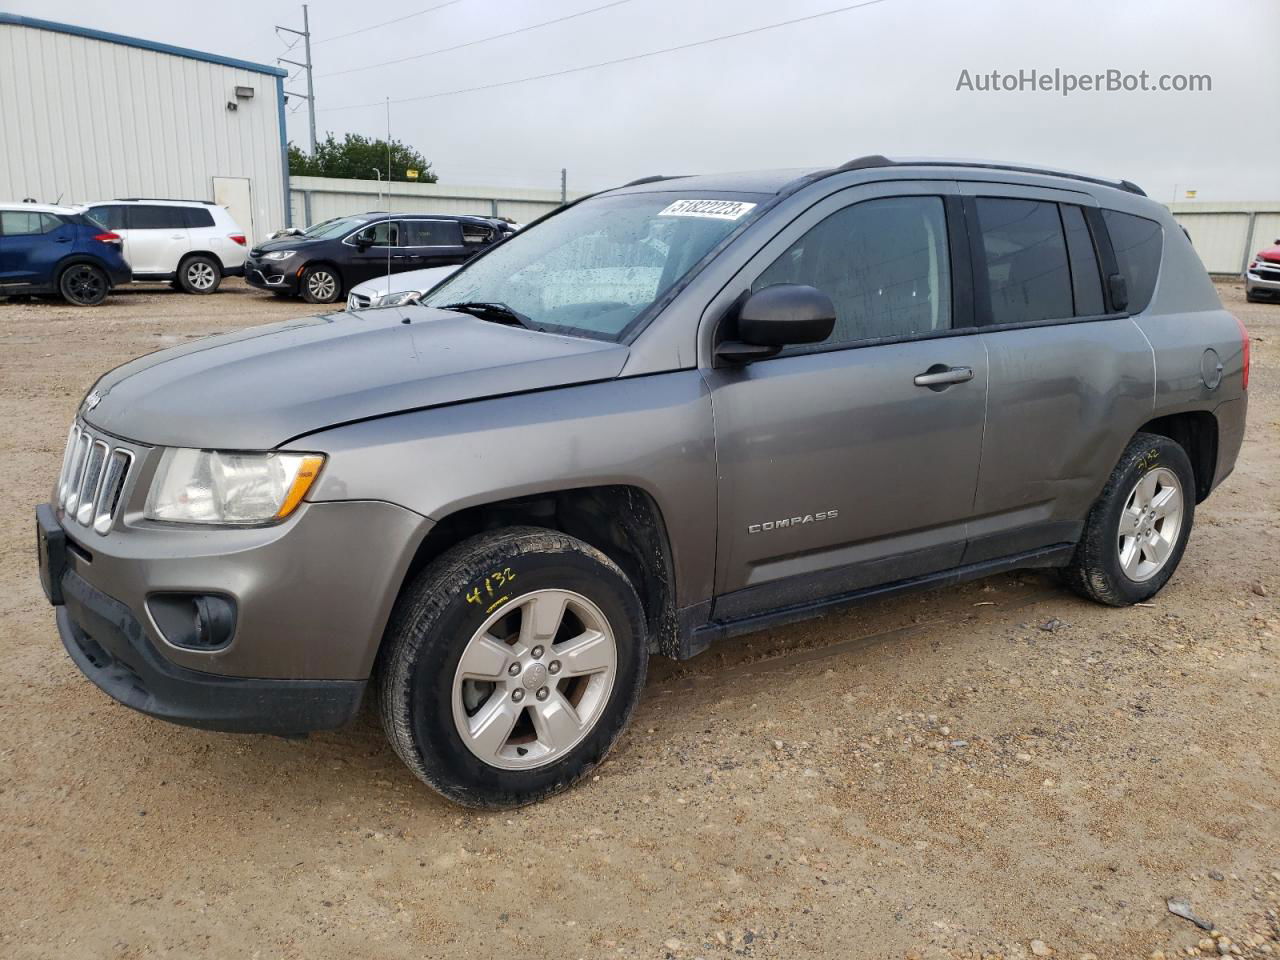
398	299
207	486
279	255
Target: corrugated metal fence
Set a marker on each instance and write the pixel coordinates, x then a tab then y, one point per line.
313	199
1227	235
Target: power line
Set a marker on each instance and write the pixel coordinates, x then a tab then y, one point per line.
609	63
387	23
472	43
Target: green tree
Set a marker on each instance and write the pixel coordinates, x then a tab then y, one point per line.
356	157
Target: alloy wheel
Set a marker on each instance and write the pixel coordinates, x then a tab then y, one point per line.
534	679
84	284
1150	524
200	275
322	285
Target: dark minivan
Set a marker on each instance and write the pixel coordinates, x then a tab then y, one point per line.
324	261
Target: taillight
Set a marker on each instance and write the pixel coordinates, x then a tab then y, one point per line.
237	237
1244	348
109	237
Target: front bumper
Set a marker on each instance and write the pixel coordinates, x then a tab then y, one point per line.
278	276
1263	281
311	598
110	647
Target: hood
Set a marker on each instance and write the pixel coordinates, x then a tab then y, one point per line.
399	282
256	388
1270	254
285	243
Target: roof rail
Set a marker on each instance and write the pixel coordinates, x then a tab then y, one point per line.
654	179
876	160
162	200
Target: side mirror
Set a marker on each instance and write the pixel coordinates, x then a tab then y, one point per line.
779	316
1119	291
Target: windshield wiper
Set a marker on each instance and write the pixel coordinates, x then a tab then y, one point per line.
494	312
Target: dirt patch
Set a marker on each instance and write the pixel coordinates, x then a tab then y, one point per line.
955	773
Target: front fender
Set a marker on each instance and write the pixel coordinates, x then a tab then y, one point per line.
654	433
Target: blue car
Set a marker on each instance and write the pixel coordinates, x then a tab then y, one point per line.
47	249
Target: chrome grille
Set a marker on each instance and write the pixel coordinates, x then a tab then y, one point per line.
91	484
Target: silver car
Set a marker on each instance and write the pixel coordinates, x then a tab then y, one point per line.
665	415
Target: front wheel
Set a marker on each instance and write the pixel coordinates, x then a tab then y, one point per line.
512	664
1137	530
84	285
321	285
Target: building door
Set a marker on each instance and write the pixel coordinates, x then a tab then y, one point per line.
236	195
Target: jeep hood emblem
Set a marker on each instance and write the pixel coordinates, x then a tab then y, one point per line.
92	400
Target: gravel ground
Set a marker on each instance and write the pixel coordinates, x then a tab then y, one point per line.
999	769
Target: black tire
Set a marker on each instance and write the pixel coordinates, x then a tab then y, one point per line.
434	621
320	284
199	274
1251	297
84	285
1096	571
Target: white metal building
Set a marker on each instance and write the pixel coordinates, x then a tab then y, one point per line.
95	116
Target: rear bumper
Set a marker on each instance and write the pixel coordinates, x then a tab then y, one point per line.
109	646
236	271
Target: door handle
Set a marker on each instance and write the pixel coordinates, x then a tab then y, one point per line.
941	376
62	240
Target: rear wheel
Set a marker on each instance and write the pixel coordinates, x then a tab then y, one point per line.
1137	531
199	274
512	664
321	285
84	285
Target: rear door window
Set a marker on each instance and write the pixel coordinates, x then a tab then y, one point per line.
884	263
1028	277
1138	243
1086	279
147	217
197	217
432	233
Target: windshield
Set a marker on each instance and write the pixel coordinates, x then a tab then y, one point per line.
595	268
332	228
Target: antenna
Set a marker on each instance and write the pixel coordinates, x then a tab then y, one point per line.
389	196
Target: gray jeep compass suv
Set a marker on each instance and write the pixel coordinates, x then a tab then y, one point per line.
665	414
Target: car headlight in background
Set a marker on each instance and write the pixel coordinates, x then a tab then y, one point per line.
279	255
397	299
208	486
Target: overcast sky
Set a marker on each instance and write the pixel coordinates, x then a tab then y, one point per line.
880	79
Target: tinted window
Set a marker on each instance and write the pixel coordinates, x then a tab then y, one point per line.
432	233
144	217
109	217
1137	242
1027	273
198	217
381	234
18	223
1086	281
883	263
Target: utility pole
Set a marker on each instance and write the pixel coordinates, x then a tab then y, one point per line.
564	186
310	95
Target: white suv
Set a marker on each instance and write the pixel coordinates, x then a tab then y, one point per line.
191	243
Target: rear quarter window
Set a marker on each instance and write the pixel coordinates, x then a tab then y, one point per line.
1138	243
